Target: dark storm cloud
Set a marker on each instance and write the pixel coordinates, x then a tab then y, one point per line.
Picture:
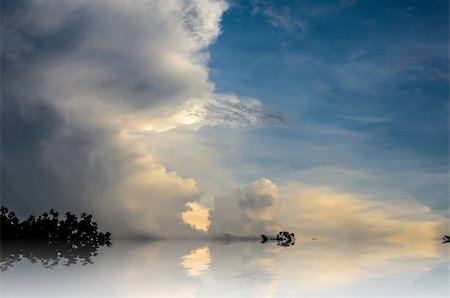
106	51
79	78
31	126
74	75
44	160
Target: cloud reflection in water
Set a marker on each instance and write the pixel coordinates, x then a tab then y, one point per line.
176	268
197	262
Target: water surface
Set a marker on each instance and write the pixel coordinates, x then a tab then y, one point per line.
200	268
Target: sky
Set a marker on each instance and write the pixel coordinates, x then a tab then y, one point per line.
192	118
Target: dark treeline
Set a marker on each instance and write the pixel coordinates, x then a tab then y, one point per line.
49	227
49	240
283	238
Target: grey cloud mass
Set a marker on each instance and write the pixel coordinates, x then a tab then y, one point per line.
247	212
76	78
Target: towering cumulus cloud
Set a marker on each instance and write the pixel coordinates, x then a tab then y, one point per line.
247	212
79	79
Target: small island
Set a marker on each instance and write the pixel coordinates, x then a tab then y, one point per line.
283	238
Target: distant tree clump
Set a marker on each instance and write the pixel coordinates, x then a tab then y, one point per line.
283	238
49	227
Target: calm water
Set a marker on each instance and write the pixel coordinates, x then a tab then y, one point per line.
179	268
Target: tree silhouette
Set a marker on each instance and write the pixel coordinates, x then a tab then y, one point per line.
48	226
283	238
446	239
48	239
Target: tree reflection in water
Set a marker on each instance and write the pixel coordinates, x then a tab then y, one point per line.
49	240
47	253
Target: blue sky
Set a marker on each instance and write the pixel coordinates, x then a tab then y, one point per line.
365	82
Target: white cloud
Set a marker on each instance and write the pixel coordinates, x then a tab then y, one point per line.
103	70
247	212
141	65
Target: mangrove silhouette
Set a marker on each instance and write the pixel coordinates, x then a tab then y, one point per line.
446	239
283	238
49	240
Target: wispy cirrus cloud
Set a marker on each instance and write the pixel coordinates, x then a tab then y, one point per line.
281	17
219	110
